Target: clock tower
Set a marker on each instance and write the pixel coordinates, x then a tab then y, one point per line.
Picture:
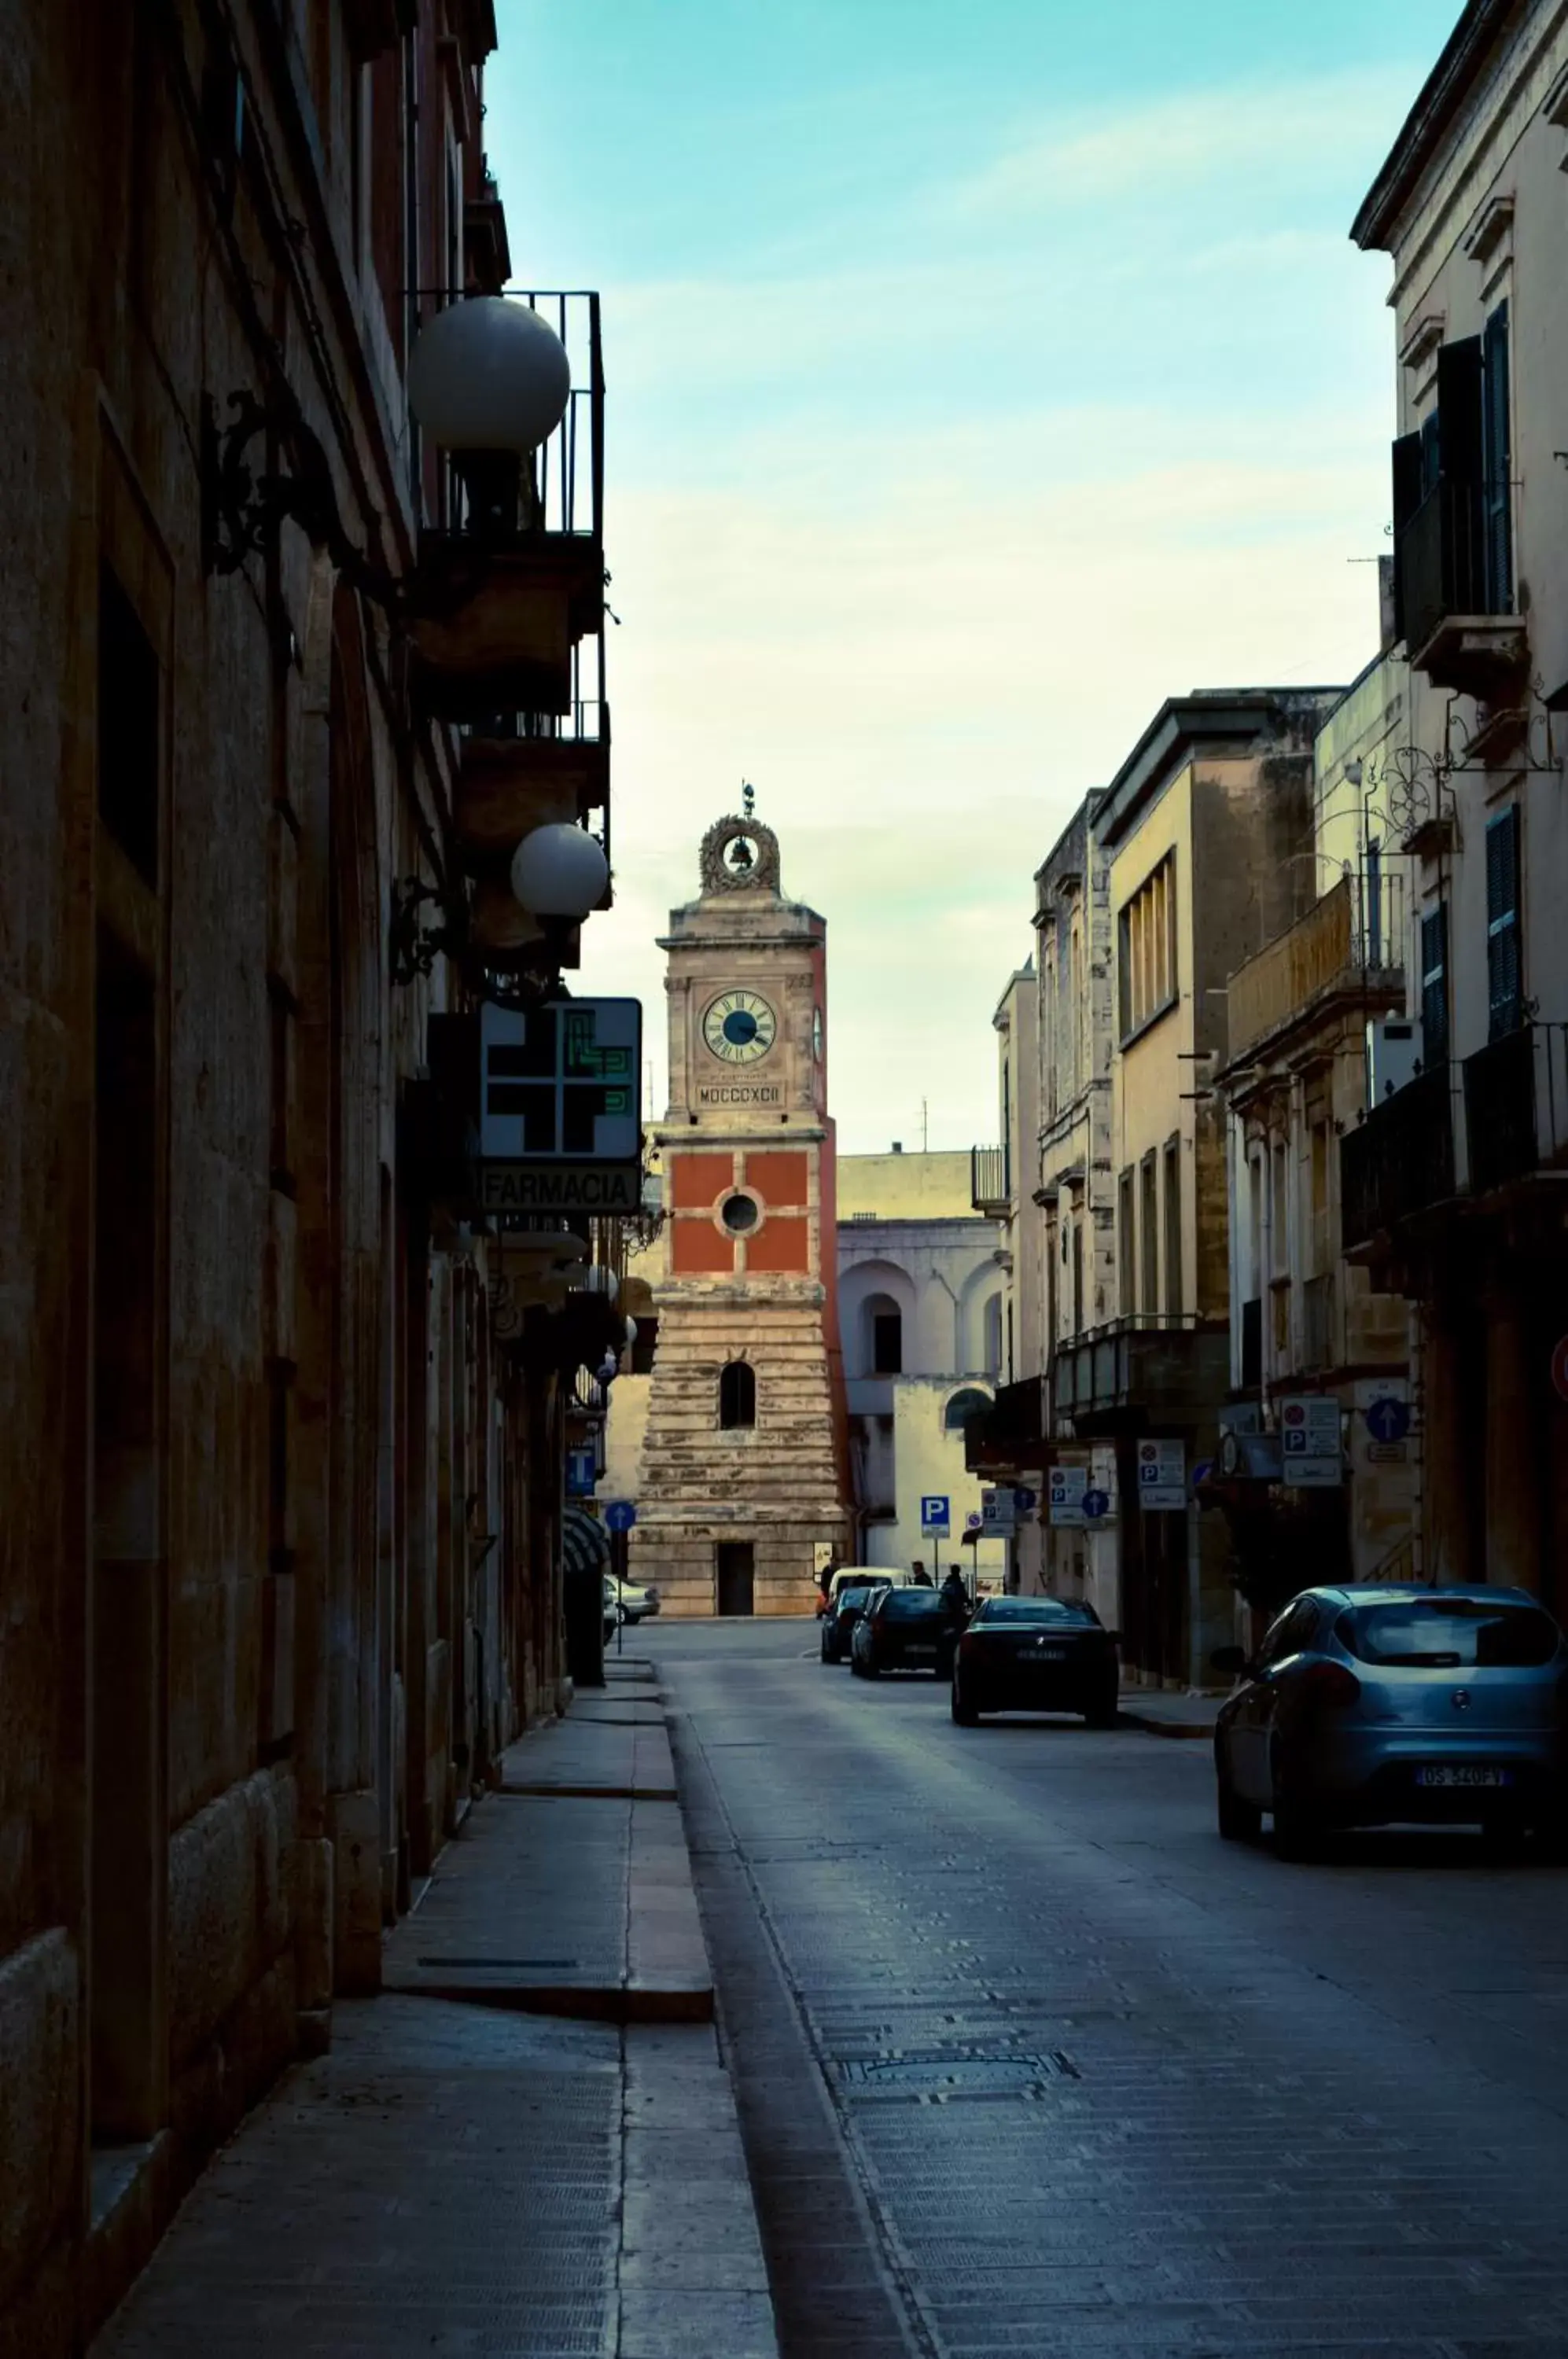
743	1476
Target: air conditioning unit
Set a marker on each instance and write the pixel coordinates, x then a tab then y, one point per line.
1393	1055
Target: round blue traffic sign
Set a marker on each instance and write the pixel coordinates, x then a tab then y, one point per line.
620	1515
1097	1504
1389	1419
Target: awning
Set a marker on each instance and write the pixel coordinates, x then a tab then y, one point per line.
584	1542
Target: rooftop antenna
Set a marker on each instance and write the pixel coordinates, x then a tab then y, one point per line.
925	1127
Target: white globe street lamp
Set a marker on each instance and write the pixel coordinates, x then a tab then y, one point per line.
558	874
489	381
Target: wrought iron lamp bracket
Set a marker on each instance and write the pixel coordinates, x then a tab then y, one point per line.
243	506
414	945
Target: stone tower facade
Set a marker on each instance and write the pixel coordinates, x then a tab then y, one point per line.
743	1473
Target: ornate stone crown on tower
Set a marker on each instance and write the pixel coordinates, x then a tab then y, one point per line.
739	855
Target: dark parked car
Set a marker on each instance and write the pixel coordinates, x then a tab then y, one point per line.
1369	1706
838	1626
1036	1654
904	1630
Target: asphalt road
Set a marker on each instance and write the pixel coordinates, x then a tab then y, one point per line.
1029	2062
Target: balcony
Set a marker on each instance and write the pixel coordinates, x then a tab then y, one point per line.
1450	628
1500	1110
1399	1162
1009	1437
1166	1365
1350	941
498	625
519	771
990	1181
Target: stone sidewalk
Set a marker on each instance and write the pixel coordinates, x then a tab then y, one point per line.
1169	1712
468	2173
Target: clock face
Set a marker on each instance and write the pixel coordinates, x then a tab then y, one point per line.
739	1028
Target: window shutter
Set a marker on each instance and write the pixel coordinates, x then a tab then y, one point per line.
1505	978
1497	458
1408	490
1435	987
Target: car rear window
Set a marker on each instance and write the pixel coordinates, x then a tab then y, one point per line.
852	1597
1449	1634
1037	1609
912	1605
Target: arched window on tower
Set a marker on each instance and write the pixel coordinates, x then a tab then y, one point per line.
737	1396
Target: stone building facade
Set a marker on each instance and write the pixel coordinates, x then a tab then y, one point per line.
742	1477
276	1551
1452	1186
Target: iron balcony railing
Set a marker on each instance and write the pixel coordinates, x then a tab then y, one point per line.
990	1180
563	483
1353	938
1442	561
1399	1161
1500	1110
1011	1429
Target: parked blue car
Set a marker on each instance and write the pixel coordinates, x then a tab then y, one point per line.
1372	1706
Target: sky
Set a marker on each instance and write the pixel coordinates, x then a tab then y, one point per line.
980	374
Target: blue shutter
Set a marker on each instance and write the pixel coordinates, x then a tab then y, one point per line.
1497	460
1504	966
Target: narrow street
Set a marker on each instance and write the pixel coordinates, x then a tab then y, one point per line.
1028	2062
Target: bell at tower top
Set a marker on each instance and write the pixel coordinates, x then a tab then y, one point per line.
740	855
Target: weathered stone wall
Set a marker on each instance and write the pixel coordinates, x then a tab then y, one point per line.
214	1351
774	1485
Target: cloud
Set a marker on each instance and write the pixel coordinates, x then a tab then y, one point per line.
1279	130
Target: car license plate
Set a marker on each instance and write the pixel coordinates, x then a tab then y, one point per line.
921	1653
1465	1776
1046	1655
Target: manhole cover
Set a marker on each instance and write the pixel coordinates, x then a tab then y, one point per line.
958	2073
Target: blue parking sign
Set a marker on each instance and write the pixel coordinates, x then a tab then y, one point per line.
936	1515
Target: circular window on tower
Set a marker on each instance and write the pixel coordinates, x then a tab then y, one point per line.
738	1214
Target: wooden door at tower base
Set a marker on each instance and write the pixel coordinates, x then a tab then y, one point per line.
735	1576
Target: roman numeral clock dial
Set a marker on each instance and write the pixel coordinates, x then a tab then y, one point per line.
739	1028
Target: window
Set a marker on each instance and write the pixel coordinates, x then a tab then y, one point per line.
1291	1633
737	1397
1435	987
1438	1634
1505	967
1453	492
1014	1611
887	1343
964	1405
1173	1225
1078	1277
739	1214
1279	1214
1149	1237
127	729
1125	1287
1147	965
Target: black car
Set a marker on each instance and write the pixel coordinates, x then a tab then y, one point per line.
838	1627
1036	1654
904	1630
